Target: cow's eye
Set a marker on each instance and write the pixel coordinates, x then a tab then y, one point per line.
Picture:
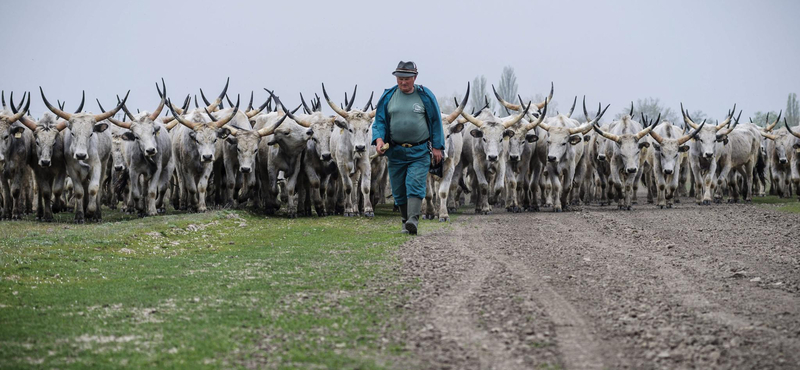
562	144
255	150
350	129
5	137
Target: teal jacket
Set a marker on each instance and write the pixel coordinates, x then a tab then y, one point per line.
432	115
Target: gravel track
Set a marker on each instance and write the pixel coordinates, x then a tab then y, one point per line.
690	287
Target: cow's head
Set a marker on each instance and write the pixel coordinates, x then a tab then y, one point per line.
564	132
786	143
205	133
705	142
246	143
628	147
83	126
667	147
453	125
357	123
143	129
490	131
7	129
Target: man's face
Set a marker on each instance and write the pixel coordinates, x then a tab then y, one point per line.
406	84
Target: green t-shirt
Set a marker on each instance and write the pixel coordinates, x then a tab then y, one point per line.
407	115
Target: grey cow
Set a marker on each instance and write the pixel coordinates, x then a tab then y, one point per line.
87	148
16	145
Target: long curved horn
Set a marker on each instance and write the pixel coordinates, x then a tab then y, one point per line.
518	118
53	109
785	123
690	136
171	124
125	109
514	107
163	95
539	120
20	114
686	118
269	130
460	108
649	128
606	135
768	136
301	122
349	104
771	126
229	100
113	120
366	106
105	115
178	118
215	104
250	104
574	101
60	104
305	106
3	99
726	131
252	113
336	109
83	100
631	112
584	129
222	122
472	119
548	98
728	119
658	137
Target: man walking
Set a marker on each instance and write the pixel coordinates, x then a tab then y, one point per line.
408	119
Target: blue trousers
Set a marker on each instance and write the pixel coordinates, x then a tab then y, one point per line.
408	172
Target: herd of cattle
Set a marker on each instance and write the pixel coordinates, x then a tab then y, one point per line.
272	157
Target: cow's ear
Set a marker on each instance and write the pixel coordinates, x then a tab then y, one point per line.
272	142
232	140
683	148
531	138
575	139
157	129
17	130
796	146
644	145
587	138
657	147
223	132
508	133
340	124
454	129
476	132
100	127
725	142
128	136
193	134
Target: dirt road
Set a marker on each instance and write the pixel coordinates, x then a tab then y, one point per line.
690	287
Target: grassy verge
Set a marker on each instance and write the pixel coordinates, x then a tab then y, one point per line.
781	204
220	289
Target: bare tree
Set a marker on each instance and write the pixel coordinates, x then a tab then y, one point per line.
478	95
792	111
651	107
507	88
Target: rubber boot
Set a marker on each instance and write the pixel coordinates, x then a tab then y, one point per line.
414	206
403	217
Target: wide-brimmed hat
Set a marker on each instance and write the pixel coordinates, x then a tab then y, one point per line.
405	69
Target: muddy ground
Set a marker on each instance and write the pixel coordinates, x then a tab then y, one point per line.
696	287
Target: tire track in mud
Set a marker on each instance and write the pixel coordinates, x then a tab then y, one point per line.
456	316
645	289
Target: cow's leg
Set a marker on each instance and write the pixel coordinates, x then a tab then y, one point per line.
5	197
366	183
230	186
661	185
151	185
77	194
315	185
618	185
136	194
556	186
672	189
722	181
291	186
428	211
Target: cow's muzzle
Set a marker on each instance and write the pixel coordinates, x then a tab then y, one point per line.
667	172
514	158
326	157
80	156
708	155
150	151
44	163
119	168
492	158
783	161
551	158
631	170
244	169
361	148
208	157
601	157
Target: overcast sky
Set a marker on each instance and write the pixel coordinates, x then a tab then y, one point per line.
708	54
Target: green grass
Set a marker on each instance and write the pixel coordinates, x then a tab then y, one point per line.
781	204
219	289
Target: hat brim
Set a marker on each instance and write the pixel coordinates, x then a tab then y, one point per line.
404	74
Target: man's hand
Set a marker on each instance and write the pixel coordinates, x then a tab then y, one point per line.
437	155
379	146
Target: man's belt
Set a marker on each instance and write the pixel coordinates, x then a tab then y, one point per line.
409	145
